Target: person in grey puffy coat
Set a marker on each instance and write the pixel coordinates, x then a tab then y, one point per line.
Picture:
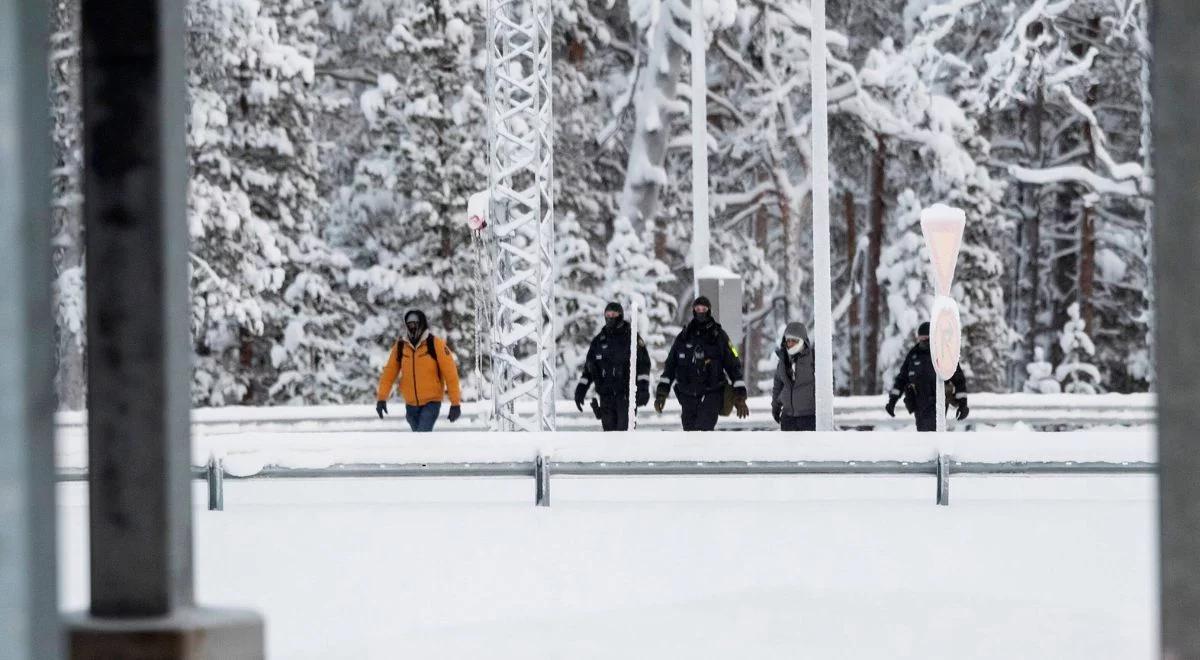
794	397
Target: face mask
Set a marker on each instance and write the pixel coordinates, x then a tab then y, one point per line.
612	322
795	350
701	314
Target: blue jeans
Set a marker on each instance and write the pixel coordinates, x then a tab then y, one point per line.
422	418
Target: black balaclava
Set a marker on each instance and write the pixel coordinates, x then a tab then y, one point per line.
705	317
923	334
613	322
415	323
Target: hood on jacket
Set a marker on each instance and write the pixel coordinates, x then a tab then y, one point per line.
613	323
422	325
794	330
703	318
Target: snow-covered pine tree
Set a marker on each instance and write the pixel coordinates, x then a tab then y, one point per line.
632	272
760	173
1076	372
918	98
1064	91
269	309
1039	375
414	73
904	277
587	47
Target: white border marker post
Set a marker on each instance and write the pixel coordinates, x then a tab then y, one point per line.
633	336
700	234
943	227
822	280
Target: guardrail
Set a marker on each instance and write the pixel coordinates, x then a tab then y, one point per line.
541	469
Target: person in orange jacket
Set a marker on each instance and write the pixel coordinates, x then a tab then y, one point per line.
426	370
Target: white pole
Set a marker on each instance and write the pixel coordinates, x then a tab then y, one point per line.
941	404
822	288
633	334
700	237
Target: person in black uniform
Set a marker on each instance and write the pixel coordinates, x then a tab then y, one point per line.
607	366
701	361
916	382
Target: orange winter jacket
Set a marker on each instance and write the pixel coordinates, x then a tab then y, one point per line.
424	378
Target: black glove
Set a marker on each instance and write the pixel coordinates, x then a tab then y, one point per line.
891	406
580	392
777	411
643	393
739	402
455	413
660	397
380	408
963	411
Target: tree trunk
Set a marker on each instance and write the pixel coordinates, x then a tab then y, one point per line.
874	253
1065	268
1087	266
791	250
1087	230
854	331
1032	203
756	336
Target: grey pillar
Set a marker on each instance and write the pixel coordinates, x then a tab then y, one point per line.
29	626
724	291
135	224
1176	93
139	369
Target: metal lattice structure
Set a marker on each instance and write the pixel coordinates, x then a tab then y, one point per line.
520	153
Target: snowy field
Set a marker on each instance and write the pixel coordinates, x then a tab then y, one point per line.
1055	567
714	567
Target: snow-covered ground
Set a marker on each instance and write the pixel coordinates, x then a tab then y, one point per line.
713	567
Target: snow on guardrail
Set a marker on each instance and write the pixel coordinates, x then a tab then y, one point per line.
319	436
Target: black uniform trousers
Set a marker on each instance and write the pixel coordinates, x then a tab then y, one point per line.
614	414
801	423
927	418
700	412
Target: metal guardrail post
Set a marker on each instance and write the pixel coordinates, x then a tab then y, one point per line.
541	474
943	480
215	475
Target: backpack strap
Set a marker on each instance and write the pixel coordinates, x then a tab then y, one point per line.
431	348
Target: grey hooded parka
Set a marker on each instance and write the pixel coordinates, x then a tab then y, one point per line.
795	377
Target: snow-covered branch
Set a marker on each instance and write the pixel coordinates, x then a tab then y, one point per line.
1074	174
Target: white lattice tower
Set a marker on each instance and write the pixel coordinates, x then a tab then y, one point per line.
520	151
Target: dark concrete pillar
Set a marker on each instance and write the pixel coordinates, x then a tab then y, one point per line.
139	367
135	225
29	622
1176	93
